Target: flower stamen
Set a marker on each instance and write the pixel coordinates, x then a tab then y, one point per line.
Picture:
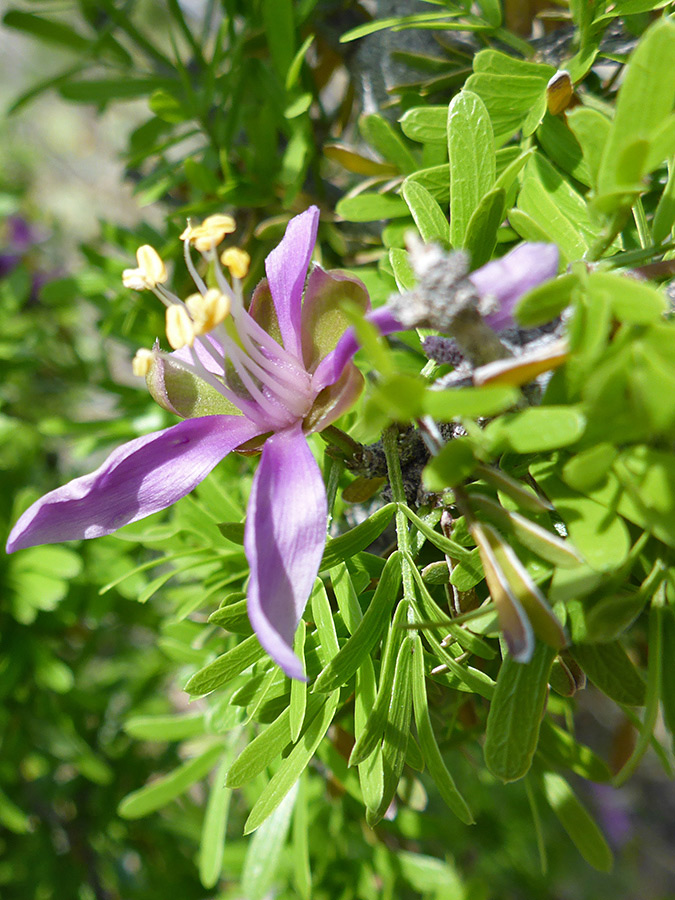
180	331
142	362
237	261
208	310
151	270
210	233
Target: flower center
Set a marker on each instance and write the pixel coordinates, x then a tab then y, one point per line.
218	340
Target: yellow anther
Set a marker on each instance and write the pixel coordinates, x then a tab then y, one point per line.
142	362
237	261
208	311
151	270
180	331
210	233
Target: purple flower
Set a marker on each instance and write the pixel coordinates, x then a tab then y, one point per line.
266	376
508	278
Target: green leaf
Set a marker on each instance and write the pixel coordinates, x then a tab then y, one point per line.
302	874
539	540
537	429
323	619
587	469
492	11
610	669
293	766
397	729
514	719
631	300
559	748
664	217
426	124
264	850
355	162
103	90
431	223
577	822
667	669
167	107
367	633
266	746
212	843
562	148
653	690
393	22
481	232
433	613
598	533
373	730
451	548
471	402
369	207
165	728
645	99
436	180
453	465
546	301
298	702
293	72
403	271
591	129
371	775
232	616
50	31
380	134
225	667
161	791
471	150
557	208
432	755
358	538
514	91
277	21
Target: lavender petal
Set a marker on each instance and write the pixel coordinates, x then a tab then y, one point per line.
137	479
508	278
286	268
284	540
330	368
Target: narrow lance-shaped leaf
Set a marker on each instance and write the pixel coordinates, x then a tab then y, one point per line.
158	793
397	729
225	668
358	538
212	843
515	714
298	703
371	777
293	766
264	850
653	694
432	755
368	632
577	822
325	626
373	730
